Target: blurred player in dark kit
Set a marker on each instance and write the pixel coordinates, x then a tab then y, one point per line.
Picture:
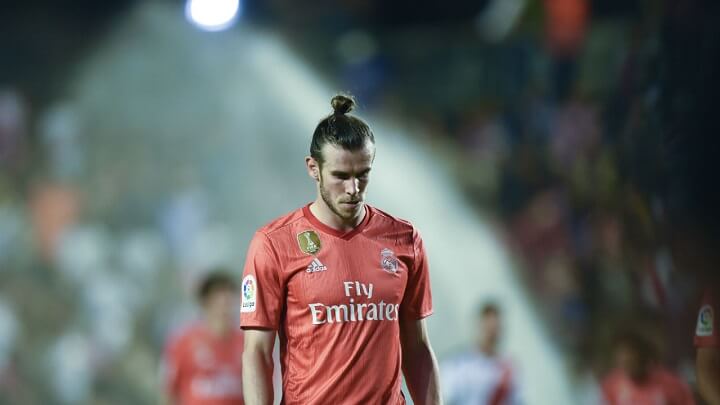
203	361
344	284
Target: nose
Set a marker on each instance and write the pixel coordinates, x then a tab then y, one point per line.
352	186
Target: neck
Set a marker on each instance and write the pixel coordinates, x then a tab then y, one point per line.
488	348
324	214
217	327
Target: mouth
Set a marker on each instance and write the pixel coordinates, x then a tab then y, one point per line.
351	203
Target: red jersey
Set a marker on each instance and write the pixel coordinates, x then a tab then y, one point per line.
661	388
707	332
335	299
203	369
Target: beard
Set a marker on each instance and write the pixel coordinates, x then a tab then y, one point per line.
325	195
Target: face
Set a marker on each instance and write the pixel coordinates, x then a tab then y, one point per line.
343	178
489	329
627	359
220	304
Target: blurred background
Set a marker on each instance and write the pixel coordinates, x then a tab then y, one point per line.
559	157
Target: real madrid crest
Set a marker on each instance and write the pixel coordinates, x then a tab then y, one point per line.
309	242
388	261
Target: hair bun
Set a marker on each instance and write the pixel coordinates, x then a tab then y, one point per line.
342	104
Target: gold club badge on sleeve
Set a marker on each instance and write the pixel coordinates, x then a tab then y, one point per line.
309	242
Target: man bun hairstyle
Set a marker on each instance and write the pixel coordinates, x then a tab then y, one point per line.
342	104
340	128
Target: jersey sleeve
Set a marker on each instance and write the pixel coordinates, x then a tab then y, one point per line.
417	301
707	328
261	290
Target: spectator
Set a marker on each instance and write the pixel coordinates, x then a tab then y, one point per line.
202	363
638	379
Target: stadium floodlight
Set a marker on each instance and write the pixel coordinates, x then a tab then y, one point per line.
212	15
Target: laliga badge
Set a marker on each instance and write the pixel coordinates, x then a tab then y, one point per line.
309	242
705	321
249	294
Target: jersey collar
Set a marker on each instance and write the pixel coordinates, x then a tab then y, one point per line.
334	232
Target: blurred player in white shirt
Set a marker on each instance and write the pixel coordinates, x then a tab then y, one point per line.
479	376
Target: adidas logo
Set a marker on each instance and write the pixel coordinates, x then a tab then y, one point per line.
315	266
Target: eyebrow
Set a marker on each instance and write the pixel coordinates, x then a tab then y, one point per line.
339	173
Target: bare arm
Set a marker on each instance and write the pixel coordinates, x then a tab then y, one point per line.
418	363
257	370
708	373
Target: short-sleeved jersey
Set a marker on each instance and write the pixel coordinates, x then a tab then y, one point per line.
707	331
660	387
335	299
203	369
473	377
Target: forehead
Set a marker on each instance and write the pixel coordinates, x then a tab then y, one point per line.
338	158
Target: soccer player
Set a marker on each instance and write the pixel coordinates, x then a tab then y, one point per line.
707	341
203	362
344	284
481	376
639	379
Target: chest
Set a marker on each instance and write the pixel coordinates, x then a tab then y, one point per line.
651	394
211	357
349	272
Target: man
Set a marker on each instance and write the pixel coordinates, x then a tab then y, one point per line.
481	376
638	379
203	362
344	284
707	341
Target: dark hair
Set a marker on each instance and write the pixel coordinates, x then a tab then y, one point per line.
215	280
488	308
637	342
340	128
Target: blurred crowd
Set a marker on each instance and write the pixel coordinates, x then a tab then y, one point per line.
549	113
569	121
98	266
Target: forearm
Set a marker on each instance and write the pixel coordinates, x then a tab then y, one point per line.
710	392
708	374
257	378
421	373
709	386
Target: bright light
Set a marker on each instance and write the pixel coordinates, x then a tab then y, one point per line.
212	15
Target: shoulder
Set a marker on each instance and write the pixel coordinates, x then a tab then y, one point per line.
399	228
457	359
180	337
613	378
281	223
667	377
383	217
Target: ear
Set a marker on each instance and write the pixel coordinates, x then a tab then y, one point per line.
313	168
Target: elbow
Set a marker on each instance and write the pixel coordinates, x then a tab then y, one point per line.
254	356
